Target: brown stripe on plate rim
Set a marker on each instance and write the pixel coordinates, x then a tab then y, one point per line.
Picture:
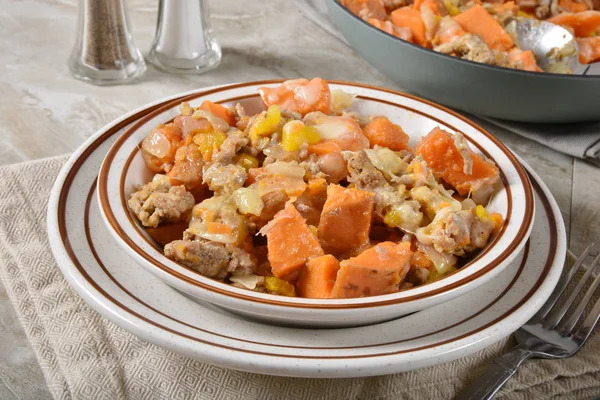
223	289
70	252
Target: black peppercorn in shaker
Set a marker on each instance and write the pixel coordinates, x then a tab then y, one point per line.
104	51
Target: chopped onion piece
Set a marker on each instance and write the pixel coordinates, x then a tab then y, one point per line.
468	204
275	152
156	144
200	229
386	161
212	203
405	216
217	123
248	281
482	194
341	100
443	262
248	201
465	152
185	109
430	20
284	168
162	178
432	201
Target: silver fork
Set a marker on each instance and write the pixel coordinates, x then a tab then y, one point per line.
546	335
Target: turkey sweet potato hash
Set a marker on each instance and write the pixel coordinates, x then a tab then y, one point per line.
309	199
480	30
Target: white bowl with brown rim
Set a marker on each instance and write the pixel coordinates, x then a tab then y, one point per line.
123	170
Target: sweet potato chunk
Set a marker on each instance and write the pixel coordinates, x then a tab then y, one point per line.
388	27
318	277
573	6
290	243
365	8
436	6
439	150
300	95
526	57
346	219
341	130
310	203
218	111
323	148
378	270
584	24
589	49
448	31
381	131
478	21
408	17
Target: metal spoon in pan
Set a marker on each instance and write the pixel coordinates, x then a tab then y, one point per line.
555	48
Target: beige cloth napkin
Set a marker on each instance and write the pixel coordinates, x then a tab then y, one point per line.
84	356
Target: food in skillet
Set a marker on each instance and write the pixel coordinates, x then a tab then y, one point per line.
479	30
312	200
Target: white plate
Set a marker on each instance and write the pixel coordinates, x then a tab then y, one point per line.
117	287
124	170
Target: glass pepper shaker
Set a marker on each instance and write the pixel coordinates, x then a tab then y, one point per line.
104	51
183	41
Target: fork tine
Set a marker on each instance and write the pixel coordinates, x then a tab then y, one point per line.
589	323
562	284
560	313
568	326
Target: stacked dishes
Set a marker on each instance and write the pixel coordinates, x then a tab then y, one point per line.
107	256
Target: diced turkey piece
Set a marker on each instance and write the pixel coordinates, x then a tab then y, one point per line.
211	259
158	202
473	48
362	172
234	142
480	233
224	179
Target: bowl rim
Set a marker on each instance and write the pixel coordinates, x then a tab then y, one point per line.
220	288
543	75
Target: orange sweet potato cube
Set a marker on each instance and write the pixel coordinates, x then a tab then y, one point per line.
439	151
290	243
375	271
318	277
345	220
478	21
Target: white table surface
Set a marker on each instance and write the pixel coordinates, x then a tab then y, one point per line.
44	112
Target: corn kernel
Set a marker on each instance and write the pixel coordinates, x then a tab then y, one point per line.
453	10
481	212
403	216
435	274
266	123
246	161
209	141
279	286
295	134
392	218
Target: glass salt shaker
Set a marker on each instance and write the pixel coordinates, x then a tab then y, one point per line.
104	51
183	42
